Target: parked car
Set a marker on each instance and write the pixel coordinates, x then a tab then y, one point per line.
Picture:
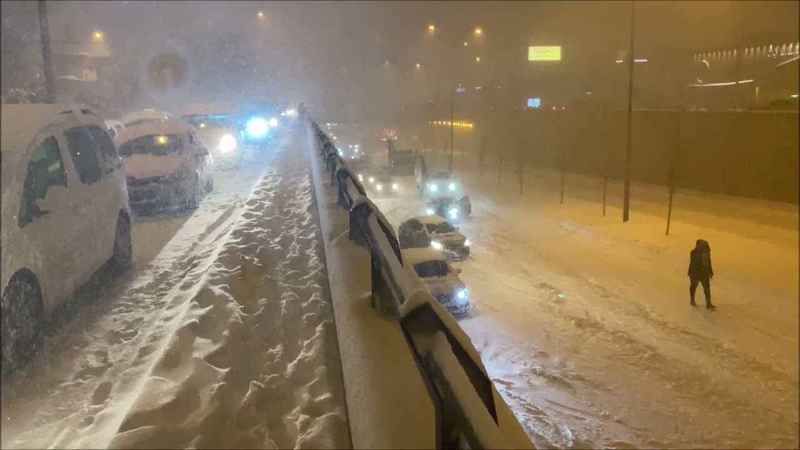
166	165
440	278
435	232
144	115
64	215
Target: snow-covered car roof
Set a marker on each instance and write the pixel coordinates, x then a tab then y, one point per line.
154	127
431	219
414	256
144	115
21	123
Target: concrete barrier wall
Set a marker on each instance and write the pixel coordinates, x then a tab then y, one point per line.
745	154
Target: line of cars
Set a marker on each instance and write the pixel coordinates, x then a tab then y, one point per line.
429	243
71	183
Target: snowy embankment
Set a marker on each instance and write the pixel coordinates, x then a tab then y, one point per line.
224	341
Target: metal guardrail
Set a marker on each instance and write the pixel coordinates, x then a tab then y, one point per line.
457	381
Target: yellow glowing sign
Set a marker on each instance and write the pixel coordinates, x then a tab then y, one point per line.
456	124
544	53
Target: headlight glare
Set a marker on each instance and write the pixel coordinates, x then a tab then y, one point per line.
227	143
436	245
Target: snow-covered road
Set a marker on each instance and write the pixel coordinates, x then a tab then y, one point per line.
222	335
585	326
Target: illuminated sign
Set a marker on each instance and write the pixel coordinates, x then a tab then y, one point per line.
534	103
544	53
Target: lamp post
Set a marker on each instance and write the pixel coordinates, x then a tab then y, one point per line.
44	31
626	202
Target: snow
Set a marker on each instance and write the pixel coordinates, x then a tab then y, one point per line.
222	337
376	421
386	398
584	324
414	256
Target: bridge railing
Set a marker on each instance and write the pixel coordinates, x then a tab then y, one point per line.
469	411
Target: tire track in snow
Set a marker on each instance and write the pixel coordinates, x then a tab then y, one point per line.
106	350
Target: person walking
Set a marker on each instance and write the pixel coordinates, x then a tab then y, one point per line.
700	271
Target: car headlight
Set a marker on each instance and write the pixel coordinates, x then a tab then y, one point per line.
371	180
395	187
429	211
361	178
467	243
227	143
453	213
451	187
462	294
436	245
433	187
379	187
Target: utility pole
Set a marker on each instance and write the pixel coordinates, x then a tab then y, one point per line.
452	115
626	204
44	33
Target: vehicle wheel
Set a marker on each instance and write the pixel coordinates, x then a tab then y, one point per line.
193	196
21	313
122	258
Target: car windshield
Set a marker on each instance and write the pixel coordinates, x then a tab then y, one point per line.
430	269
440	228
159	145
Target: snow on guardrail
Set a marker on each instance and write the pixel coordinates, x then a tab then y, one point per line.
470	412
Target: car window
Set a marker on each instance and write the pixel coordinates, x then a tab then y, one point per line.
45	169
84	154
429	269
158	145
106	146
437	228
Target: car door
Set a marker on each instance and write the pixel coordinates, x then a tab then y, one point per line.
108	196
88	199
46	219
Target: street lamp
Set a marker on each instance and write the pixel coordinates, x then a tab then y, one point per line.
419	66
478	31
97	36
466	44
260	14
431	28
477	59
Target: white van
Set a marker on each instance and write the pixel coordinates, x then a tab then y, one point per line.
64	215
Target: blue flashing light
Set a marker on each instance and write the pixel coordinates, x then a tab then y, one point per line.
257	127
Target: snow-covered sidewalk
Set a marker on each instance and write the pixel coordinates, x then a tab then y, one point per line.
225	340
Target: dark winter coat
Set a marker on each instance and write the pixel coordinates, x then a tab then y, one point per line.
700	261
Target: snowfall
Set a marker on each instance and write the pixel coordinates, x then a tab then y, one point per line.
223	333
222	336
584	322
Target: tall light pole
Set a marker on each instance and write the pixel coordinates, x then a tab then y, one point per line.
452	119
626	202
44	31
